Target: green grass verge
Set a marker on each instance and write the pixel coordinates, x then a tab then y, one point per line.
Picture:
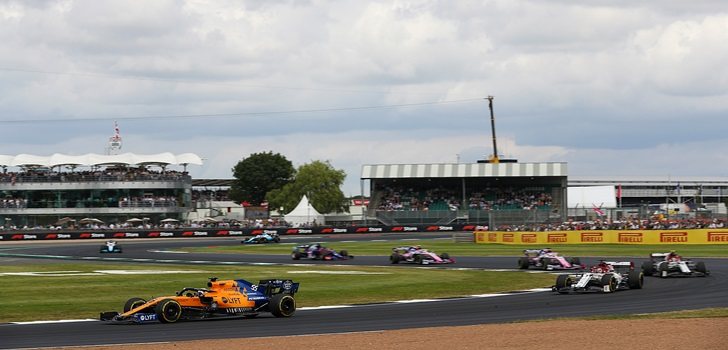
471	249
62	296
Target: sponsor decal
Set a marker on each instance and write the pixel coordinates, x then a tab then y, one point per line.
480	236
368	229
305	230
362	229
673	237
556	238
492	237
404	229
160	234
57	236
256	232
718	237
222	233
508	237
528	238
235	233
291	231
2	237
92	235
146	317
592	237
16	237
194	233
475	228
327	230
270	232
629	237
439	228
125	235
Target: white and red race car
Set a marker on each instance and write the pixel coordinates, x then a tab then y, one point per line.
671	264
546	259
607	277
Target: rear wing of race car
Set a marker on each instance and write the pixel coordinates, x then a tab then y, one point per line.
269	287
621	265
659	255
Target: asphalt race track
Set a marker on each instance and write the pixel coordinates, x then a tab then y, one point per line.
657	295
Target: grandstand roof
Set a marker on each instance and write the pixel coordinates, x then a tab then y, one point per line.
398	171
92	159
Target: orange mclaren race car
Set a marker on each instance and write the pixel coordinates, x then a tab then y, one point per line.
221	298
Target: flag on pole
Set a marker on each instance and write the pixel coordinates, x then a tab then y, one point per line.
598	210
619	191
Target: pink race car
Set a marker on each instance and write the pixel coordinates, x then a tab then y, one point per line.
418	255
547	259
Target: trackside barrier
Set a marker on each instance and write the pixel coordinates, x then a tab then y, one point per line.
25	235
698	236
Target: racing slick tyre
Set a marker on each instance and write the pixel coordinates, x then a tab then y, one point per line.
648	268
664	266
344	253
700	267
544	264
296	256
394	258
635	279
277	240
575	261
418	259
282	305
523	263
445	256
133	303
562	283
609	281
168	311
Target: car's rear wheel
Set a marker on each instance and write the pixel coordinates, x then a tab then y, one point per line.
133	303
168	311
609	281
394	258
296	256
418	259
282	305
635	279
445	256
663	268
562	282
523	263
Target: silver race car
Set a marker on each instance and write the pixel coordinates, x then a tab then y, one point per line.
607	277
673	265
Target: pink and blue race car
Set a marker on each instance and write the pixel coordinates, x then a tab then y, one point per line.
418	255
546	259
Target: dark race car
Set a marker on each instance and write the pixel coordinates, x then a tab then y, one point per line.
418	255
263	238
607	277
316	251
546	259
110	247
673	265
221	298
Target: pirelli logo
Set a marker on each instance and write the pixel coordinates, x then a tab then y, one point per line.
492	237
508	237
480	237
528	238
721	237
556	238
630	237
673	237
592	237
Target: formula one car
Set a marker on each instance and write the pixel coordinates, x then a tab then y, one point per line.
110	247
671	264
607	276
263	238
224	298
316	251
547	259
418	255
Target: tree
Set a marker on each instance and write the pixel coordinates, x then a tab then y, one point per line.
320	182
258	174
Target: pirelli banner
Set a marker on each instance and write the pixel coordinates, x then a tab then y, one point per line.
703	236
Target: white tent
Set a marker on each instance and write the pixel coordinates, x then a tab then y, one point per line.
304	214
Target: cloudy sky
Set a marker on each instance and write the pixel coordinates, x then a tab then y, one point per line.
611	87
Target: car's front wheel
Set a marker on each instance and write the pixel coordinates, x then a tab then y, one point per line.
133	303
168	311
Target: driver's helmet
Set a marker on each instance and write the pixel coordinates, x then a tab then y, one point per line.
673	256
602	267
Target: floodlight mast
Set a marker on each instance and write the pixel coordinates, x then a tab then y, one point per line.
494	158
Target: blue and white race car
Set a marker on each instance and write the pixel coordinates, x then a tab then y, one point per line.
110	247
262	239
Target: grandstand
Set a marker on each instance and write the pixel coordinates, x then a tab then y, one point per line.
473	193
102	189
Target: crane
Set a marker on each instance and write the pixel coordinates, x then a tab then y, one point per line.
493	158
